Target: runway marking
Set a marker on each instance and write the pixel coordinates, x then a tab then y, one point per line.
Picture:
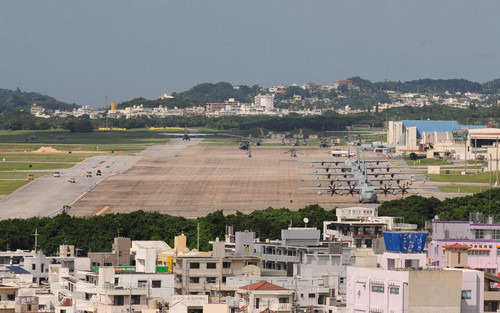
102	210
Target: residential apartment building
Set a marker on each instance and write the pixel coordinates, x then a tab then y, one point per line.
480	234
399	281
120	256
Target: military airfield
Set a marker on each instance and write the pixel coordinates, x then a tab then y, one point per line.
190	178
200	179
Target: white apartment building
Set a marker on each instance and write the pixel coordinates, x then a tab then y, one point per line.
266	101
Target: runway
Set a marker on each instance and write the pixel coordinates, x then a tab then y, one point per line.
189	179
182	178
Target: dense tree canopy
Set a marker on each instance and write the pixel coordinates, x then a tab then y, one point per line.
96	233
20	100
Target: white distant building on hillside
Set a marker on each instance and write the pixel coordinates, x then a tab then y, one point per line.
266	101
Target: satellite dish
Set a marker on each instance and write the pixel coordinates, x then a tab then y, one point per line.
306	220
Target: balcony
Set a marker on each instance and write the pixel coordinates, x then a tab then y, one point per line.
7	304
281	307
492	295
86	305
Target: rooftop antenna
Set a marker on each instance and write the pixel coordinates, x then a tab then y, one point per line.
198	238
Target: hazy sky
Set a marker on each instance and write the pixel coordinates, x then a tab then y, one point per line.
81	51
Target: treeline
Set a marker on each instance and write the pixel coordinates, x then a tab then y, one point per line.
417	209
96	233
20	120
15	100
329	121
429	86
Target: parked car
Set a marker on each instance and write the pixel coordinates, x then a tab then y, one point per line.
57	174
98	173
89	174
31	177
72	180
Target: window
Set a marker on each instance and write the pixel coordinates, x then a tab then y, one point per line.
466	294
156	284
312	296
211	280
11	297
257	303
479	233
226	264
211	265
377	288
194	265
284	300
194	280
479	252
33	266
495	234
142	284
394	290
108	264
118	300
136	299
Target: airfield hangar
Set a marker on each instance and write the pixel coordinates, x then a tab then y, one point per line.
446	139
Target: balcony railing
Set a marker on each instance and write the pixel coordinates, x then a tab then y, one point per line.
281	307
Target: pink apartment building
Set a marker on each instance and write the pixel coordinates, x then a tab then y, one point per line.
480	235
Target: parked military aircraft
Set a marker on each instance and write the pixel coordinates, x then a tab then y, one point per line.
366	191
323	143
359	176
187	134
244	144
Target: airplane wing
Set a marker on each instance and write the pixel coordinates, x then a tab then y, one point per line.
182	134
399	188
351	189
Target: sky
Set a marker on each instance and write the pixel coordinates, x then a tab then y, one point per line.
95	52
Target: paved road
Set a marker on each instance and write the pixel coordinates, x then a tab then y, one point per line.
47	195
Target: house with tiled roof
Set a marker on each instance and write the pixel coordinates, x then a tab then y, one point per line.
264	297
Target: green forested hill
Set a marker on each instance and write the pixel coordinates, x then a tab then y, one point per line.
11	100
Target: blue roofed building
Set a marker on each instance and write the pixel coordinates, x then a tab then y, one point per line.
422	135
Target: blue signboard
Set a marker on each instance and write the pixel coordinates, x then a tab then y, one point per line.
410	242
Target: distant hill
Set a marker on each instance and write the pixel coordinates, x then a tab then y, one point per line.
16	100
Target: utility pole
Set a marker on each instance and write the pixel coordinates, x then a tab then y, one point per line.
489	200
496	169
198	238
36	239
465	155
